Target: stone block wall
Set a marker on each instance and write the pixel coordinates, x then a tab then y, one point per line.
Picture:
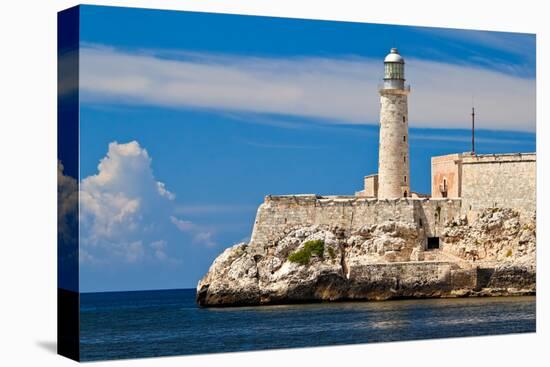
280	214
371	186
501	180
430	215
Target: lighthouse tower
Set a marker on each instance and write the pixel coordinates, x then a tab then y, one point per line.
393	155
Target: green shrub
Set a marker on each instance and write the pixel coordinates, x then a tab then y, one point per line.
316	247
302	257
509	253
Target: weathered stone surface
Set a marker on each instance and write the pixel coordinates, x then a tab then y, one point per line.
496	235
393	160
232	279
487	180
493	255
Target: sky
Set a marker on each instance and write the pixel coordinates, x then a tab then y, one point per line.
187	120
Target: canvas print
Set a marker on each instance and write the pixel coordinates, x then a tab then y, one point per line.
236	183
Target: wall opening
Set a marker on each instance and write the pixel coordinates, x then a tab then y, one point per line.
433	243
405	194
443	188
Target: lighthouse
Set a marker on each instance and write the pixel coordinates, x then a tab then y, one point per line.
393	155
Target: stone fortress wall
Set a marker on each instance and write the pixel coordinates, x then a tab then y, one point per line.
373	249
487	181
278	215
473	183
500	180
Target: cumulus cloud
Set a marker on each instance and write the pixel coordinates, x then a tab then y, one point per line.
338	90
125	212
200	235
67	205
121	205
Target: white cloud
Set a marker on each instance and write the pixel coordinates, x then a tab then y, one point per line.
67	201
124	210
163	192
200	235
120	205
336	90
159	247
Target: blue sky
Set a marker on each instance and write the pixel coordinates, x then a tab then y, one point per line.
196	117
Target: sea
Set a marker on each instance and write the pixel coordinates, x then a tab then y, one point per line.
116	325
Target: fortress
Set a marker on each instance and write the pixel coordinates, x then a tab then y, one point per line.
474	235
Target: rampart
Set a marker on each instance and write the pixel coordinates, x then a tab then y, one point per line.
501	181
278	215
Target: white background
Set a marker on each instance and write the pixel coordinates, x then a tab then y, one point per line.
28	181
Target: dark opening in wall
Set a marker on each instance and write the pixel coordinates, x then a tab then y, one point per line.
433	243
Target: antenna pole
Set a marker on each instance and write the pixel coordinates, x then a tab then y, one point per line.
473	131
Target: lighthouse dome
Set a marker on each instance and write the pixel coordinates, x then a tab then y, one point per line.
394	56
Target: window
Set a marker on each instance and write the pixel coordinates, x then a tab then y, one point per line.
394	70
405	179
404	119
404	159
404	138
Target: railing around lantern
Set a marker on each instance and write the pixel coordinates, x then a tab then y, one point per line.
384	86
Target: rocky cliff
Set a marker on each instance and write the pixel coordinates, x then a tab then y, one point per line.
493	255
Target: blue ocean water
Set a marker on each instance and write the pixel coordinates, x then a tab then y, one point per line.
118	325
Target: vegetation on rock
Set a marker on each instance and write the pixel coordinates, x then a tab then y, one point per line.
302	257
